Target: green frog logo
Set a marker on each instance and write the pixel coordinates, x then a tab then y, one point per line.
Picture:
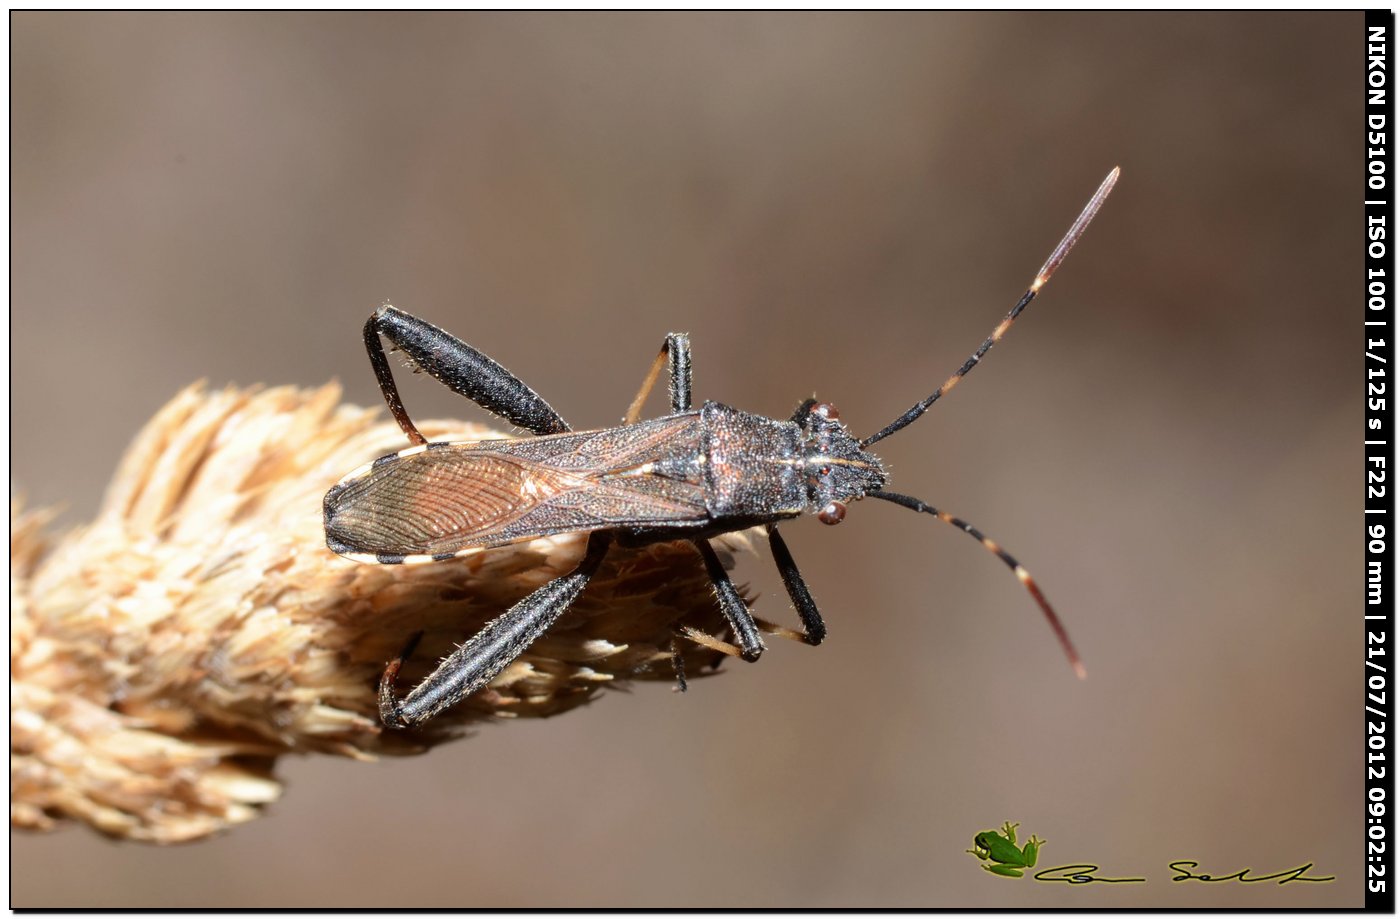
1000	850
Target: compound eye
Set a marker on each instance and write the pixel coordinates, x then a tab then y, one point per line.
833	513
826	410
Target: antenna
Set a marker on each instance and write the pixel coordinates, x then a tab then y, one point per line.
1042	276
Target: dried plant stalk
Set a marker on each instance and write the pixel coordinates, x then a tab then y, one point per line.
164	656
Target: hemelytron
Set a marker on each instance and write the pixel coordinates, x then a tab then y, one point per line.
690	475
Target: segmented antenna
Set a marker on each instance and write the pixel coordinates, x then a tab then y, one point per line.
1041	277
1024	576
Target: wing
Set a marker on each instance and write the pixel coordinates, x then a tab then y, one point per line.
442	500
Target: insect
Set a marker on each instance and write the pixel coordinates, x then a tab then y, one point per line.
690	475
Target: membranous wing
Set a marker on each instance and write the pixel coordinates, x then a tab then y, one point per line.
443	499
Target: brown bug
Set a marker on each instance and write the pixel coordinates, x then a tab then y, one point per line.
690	475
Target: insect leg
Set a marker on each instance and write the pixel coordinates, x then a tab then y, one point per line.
489	651
732	605
391	672
814	630
677	349
706	640
678	663
459	367
732	650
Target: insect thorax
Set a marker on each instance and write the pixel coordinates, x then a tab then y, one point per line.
757	467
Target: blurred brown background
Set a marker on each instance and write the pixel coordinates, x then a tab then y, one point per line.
843	204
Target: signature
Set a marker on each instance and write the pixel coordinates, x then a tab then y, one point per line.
1087	874
1002	855
1080	874
1243	876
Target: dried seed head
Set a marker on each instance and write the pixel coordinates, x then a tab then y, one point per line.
165	655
